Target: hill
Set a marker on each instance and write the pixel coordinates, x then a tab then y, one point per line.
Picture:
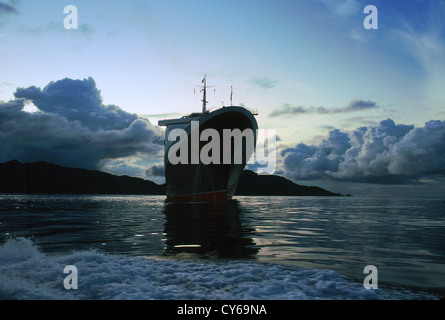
43	177
271	185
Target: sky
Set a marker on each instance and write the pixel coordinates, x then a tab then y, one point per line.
355	110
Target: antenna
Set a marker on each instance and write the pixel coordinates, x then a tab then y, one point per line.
231	95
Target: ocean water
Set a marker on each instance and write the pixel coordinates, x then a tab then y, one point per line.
271	248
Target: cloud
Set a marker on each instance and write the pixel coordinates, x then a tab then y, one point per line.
7	8
427	47
77	100
164	115
288	110
357	105
84	30
72	127
134	165
386	153
359	34
156	171
342	8
264	83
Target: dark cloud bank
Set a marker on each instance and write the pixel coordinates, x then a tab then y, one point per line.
73	127
387	153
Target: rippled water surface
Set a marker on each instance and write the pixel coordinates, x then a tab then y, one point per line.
404	238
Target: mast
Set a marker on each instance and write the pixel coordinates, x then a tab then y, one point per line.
204	102
204	95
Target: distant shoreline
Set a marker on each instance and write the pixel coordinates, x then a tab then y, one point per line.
47	178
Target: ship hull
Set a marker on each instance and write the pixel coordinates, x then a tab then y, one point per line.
212	182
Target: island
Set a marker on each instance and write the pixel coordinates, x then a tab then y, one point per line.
47	178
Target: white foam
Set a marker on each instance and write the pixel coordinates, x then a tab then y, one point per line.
27	273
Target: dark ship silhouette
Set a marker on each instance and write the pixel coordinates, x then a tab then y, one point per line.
195	181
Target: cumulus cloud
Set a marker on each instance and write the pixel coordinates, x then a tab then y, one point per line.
77	100
288	110
386	153
72	127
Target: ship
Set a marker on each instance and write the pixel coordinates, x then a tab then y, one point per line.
206	152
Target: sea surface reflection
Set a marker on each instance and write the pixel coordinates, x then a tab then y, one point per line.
209	230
